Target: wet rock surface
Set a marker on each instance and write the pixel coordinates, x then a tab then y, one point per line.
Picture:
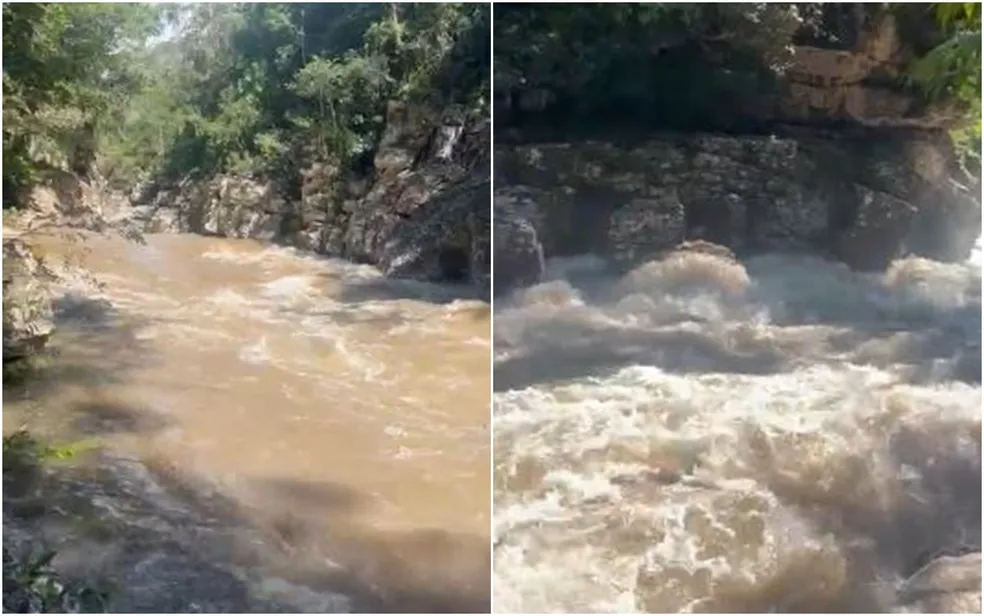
147	547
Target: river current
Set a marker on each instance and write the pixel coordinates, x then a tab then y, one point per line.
700	435
277	431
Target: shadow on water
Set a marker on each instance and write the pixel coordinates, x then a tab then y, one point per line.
377	301
105	348
107	417
164	540
389	289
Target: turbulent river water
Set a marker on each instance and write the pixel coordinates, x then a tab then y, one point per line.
701	435
278	431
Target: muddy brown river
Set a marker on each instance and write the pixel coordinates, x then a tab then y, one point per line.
317	432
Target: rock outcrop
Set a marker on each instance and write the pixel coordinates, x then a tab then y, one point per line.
808	140
518	252
27	309
857	84
228	206
866	201
422	212
426	213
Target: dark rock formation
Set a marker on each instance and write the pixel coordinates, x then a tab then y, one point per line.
427	207
518	250
422	211
866	201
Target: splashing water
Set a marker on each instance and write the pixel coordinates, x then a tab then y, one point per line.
701	435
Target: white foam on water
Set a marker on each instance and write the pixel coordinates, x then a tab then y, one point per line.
256	353
698	435
289	288
370	368
975	254
228	298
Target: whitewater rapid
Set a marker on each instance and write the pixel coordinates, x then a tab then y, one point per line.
702	435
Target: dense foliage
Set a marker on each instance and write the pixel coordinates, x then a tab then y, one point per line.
702	66
952	70
150	91
66	74
671	64
260	88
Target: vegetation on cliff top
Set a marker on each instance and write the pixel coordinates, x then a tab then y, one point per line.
673	64
164	91
952	70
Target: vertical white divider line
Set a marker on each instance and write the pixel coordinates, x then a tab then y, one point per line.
491	305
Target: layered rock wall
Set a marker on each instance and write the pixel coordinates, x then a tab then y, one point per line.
422	212
28	318
865	201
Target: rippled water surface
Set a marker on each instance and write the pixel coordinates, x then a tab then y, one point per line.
700	435
342	416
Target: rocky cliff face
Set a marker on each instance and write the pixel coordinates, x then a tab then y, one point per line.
27	310
855	84
842	161
422	212
866	202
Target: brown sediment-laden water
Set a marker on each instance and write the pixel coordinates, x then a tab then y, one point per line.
278	431
778	435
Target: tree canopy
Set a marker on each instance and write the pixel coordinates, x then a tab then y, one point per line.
952	70
697	66
142	91
166	91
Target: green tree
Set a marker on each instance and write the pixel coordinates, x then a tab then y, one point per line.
66	71
952	71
